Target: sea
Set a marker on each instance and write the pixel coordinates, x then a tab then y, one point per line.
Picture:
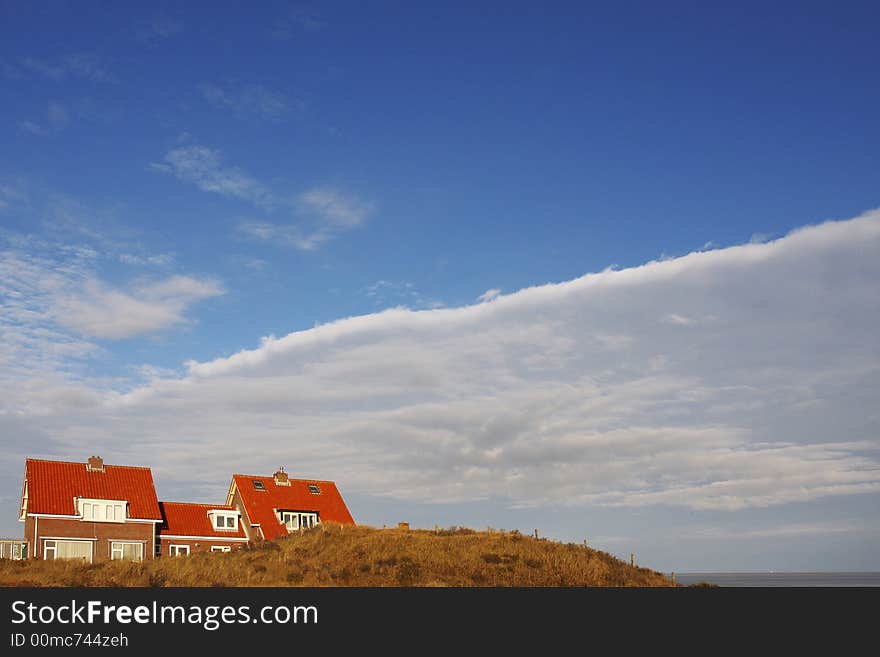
781	578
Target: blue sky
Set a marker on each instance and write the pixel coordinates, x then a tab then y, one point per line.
177	184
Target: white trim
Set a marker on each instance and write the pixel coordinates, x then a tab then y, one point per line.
171	550
124	542
67	516
68	538
36	522
221	548
22	508
201	538
231	494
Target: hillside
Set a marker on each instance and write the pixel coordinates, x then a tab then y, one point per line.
358	556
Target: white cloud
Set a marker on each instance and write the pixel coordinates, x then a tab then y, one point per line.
570	394
489	295
104	312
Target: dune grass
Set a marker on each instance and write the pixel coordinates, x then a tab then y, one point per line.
332	555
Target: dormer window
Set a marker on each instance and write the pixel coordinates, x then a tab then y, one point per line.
296	520
224	521
258	485
102	510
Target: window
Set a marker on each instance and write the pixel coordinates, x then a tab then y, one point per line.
224	522
295	520
258	484
125	550
102	510
179	550
314	490
220	548
53	549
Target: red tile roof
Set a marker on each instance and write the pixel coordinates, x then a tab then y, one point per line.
261	505
53	485
185	519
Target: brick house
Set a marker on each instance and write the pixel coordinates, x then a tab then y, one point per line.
272	507
189	528
95	512
89	511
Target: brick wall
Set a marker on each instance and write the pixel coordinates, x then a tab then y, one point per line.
105	532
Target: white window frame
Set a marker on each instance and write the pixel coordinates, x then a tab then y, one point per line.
297	520
54	547
94	510
176	550
221	548
220	521
121	550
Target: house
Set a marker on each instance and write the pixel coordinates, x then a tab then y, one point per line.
89	511
188	528
95	512
274	506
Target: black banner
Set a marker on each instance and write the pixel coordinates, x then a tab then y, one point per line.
406	619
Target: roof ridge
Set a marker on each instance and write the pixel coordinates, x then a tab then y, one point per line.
289	478
214	506
106	465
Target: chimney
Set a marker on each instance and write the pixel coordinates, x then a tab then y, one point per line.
95	464
280	477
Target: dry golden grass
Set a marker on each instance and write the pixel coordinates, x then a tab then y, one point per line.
358	556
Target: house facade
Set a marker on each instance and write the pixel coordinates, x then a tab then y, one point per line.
189	528
272	507
89	511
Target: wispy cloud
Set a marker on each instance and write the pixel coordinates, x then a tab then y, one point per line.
49	294
315	216
334	207
12	192
151	260
159	28
57	118
321	214
251	100
204	168
399	294
489	295
76	65
298	19
101	311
